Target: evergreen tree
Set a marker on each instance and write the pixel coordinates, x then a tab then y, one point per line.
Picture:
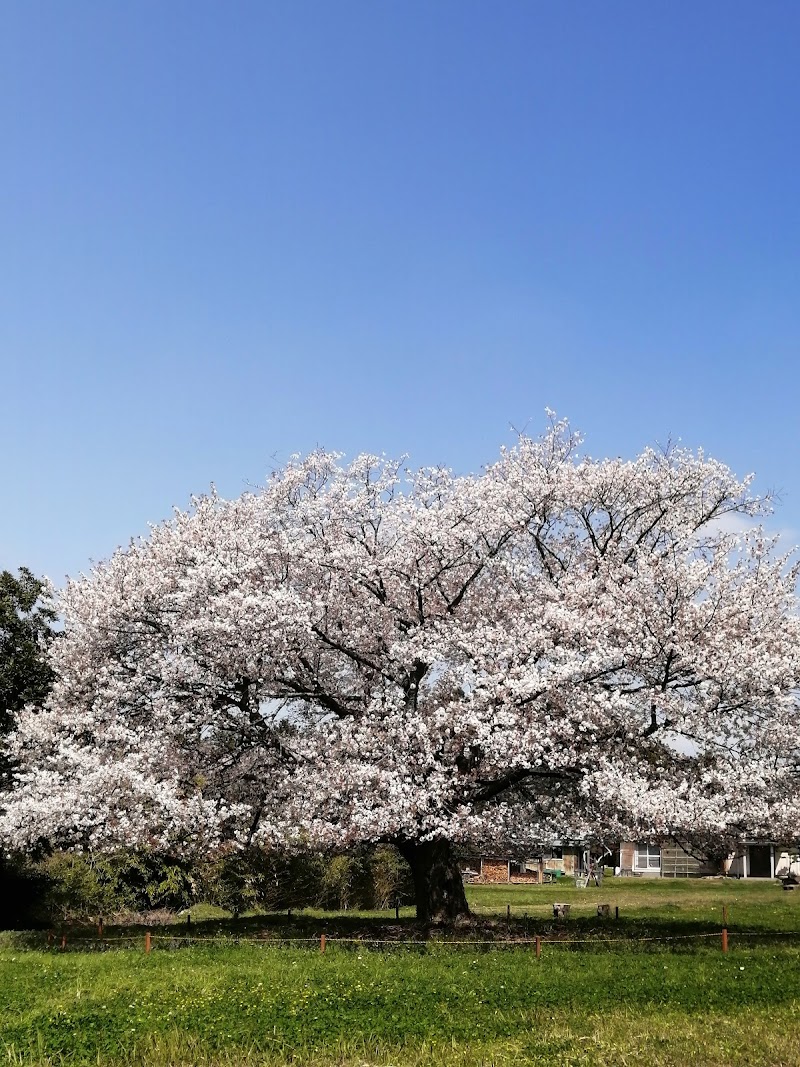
27	616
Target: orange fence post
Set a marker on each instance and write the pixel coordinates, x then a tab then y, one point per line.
538	947
63	942
724	939
322	943
147	943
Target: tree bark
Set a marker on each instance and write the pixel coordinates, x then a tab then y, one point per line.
438	885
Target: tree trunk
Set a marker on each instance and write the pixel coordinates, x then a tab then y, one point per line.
438	885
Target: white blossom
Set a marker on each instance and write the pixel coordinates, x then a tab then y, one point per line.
556	646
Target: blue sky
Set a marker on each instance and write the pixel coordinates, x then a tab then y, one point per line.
232	232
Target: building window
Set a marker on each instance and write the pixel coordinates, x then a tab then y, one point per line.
648	857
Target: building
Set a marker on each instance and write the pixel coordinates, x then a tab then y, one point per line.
668	860
753	859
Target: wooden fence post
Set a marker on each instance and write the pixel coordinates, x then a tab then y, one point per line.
147	943
100	928
322	942
538	947
63	942
724	939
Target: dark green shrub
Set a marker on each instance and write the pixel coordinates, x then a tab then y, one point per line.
75	888
147	881
370	877
256	878
80	886
346	882
233	880
391	878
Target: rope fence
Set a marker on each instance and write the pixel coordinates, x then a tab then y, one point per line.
561	912
149	940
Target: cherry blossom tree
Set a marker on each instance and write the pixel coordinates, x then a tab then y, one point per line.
556	646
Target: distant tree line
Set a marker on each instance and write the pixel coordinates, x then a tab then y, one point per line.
62	887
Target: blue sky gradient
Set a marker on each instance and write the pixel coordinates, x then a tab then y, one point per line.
233	232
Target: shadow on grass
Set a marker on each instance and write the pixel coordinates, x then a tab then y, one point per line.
303	929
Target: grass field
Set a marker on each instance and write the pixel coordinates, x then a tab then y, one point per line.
598	994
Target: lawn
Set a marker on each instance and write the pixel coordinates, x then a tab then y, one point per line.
616	998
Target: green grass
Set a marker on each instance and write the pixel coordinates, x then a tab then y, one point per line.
751	905
659	1003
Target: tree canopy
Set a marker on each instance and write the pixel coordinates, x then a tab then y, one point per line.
558	646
